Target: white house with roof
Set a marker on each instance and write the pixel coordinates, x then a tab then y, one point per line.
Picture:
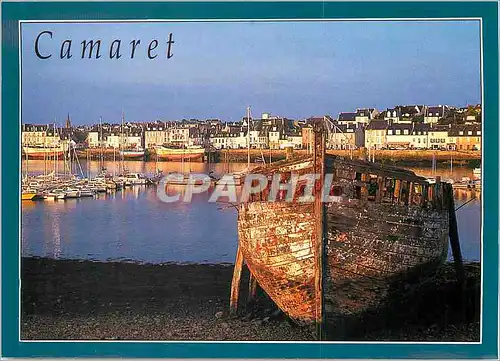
229	140
406	136
346	118
439	138
433	114
155	134
376	134
392	115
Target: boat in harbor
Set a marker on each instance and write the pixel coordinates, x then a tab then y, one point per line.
477	173
133	179
86	192
178	179
29	195
133	153
177	154
72	193
323	262
42	152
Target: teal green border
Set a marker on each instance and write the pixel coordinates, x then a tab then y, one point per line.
13	12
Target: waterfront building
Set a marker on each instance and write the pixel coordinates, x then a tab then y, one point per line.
196	137
155	134
227	140
93	139
407	136
420	136
178	134
376	134
439	137
231	136
275	134
259	138
291	138
38	135
343	136
467	137
128	136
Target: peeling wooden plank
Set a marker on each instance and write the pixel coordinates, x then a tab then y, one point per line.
235	284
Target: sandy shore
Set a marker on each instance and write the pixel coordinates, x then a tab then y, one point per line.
125	301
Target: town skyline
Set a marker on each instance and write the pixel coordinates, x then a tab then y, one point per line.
61	121
292	69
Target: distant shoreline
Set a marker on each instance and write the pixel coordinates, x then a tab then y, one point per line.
394	157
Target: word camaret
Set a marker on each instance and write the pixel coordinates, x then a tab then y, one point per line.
96	49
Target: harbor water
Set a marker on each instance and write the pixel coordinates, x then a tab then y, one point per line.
135	225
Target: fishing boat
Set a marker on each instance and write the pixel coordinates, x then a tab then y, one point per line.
43	152
322	262
177	154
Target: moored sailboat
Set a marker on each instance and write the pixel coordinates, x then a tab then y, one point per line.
133	153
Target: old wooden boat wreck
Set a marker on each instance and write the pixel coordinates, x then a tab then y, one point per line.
320	261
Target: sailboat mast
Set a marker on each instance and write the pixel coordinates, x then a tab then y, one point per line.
26	160
55	150
101	161
45	152
248	137
122	163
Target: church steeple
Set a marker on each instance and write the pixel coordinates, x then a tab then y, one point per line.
68	122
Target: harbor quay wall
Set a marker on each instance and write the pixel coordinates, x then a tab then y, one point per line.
472	158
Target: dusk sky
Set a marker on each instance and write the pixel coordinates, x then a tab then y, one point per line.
292	69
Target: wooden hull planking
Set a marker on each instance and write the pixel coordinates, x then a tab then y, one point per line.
180	157
277	244
382	223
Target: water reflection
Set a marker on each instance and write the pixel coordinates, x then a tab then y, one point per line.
37	167
56	236
134	224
